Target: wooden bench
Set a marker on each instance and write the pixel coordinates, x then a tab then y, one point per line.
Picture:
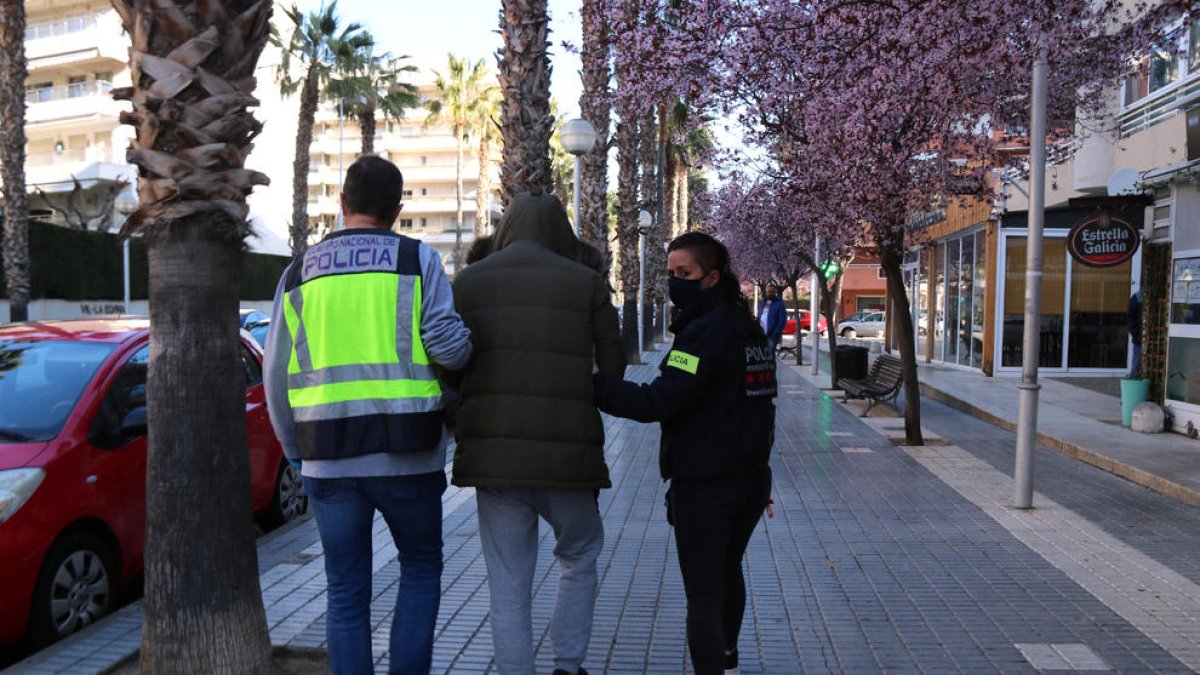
882	383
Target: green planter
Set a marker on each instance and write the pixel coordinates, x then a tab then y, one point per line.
1133	392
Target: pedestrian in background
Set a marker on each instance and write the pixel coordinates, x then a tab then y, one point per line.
1133	320
358	323
713	400
772	317
530	440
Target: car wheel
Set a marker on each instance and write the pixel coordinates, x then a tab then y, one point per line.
288	500
76	586
849	333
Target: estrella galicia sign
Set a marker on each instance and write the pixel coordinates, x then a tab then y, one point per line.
1103	240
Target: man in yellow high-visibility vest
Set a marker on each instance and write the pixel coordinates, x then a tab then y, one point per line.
359	322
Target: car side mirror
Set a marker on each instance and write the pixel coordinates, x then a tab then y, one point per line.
134	423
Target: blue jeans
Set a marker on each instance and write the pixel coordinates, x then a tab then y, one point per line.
345	510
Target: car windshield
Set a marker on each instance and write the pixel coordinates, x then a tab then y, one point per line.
40	382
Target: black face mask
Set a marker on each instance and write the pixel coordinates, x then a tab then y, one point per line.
683	291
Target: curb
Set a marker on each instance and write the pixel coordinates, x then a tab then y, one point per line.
1118	468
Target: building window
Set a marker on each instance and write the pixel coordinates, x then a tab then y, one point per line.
424	223
40	92
424	160
1162	67
424	191
406	223
406	193
76	86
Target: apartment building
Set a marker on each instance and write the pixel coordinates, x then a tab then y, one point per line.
425	155
76	54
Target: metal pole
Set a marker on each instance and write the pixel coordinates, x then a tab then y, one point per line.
575	203
341	135
125	266
1028	410
641	297
814	320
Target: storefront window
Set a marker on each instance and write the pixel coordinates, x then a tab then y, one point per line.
952	300
1099	301
1183	371
1185	291
966	333
936	293
977	300
1054	277
921	301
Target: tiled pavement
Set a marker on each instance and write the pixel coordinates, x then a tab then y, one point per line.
879	558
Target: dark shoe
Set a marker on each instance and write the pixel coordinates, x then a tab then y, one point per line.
731	663
560	671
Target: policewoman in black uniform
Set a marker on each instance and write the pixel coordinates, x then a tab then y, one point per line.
713	397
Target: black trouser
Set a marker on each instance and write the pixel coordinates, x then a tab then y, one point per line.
713	522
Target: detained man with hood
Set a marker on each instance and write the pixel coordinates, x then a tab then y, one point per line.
529	438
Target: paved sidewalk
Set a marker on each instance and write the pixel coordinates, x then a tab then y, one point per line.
1077	422
879	558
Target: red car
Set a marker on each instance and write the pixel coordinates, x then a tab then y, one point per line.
805	322
73	470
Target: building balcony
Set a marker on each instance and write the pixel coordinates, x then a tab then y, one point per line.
414	207
71	103
323	206
52	172
76	40
416	144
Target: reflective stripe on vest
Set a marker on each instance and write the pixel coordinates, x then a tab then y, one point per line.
355	321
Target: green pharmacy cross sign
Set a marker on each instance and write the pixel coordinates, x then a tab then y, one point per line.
830	269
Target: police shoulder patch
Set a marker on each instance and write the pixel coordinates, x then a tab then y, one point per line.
688	363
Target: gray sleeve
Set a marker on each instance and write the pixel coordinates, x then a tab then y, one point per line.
278	351
447	340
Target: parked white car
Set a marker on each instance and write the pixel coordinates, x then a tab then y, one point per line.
871	325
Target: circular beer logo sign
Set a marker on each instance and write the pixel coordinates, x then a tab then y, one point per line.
1102	240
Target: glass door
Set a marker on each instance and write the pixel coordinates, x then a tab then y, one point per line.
1052	324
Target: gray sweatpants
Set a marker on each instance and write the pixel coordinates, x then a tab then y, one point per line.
508	531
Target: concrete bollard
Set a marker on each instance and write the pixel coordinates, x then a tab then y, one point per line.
1148	418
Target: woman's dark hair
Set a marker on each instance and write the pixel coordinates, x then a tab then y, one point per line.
480	249
712	255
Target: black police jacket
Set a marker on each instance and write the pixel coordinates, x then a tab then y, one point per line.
713	394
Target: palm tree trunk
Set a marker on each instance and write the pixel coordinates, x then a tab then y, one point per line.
458	197
684	224
671	194
483	185
595	108
525	120
299	228
12	158
366	124
627	234
194	281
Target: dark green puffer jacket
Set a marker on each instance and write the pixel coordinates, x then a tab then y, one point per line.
538	320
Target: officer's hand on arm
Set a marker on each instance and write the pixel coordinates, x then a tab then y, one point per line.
681	384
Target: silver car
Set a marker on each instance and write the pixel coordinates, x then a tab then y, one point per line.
871	325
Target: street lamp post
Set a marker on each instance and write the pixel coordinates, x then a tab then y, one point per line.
644	222
578	138
1027	410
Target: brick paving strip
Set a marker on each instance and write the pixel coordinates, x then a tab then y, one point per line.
878	559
